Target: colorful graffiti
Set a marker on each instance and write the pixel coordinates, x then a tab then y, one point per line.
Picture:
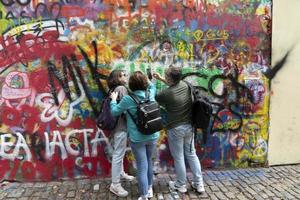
56	55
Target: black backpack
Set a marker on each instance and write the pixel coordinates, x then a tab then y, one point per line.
201	111
148	119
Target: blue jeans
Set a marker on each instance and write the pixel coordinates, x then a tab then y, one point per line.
181	144
119	149
142	152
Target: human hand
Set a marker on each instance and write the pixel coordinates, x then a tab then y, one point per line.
114	96
157	76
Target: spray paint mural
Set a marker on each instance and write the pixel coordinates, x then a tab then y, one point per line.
56	55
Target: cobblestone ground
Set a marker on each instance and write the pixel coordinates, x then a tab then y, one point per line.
256	183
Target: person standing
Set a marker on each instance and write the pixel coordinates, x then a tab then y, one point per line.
142	145
177	101
116	82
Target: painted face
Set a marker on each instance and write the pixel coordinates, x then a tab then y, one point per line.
167	46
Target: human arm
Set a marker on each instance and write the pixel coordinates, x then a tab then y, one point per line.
118	108
159	77
162	96
122	91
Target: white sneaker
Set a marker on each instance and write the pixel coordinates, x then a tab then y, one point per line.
118	190
127	177
143	198
198	187
150	193
173	186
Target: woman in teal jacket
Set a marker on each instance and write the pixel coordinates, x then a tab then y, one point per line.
142	145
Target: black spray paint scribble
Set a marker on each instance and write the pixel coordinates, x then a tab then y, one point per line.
271	72
41	10
240	90
9	3
232	106
93	66
71	69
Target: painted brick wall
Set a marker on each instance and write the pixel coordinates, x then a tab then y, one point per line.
55	56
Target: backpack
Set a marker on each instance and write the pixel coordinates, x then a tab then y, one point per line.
148	119
201	111
105	120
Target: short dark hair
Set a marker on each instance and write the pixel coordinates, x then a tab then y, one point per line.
114	78
174	74
138	81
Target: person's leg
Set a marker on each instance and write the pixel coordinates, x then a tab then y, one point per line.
175	140
191	156
119	148
150	149
139	152
119	144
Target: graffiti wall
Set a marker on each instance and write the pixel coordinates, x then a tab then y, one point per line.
284	129
56	55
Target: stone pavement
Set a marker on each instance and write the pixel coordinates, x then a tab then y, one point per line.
281	182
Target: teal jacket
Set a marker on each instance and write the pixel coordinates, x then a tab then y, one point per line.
128	104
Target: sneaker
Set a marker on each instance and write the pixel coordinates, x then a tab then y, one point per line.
143	198
173	186
118	190
150	193
127	177
198	187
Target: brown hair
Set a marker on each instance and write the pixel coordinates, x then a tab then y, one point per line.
174	73
114	78
138	81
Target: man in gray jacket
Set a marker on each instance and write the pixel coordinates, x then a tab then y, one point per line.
178	103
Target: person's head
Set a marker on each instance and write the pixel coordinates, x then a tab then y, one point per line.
173	75
166	45
138	81
116	77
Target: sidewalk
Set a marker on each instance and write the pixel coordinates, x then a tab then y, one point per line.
259	183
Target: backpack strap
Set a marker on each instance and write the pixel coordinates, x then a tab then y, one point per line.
132	117
112	90
191	87
137	101
118	100
134	97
